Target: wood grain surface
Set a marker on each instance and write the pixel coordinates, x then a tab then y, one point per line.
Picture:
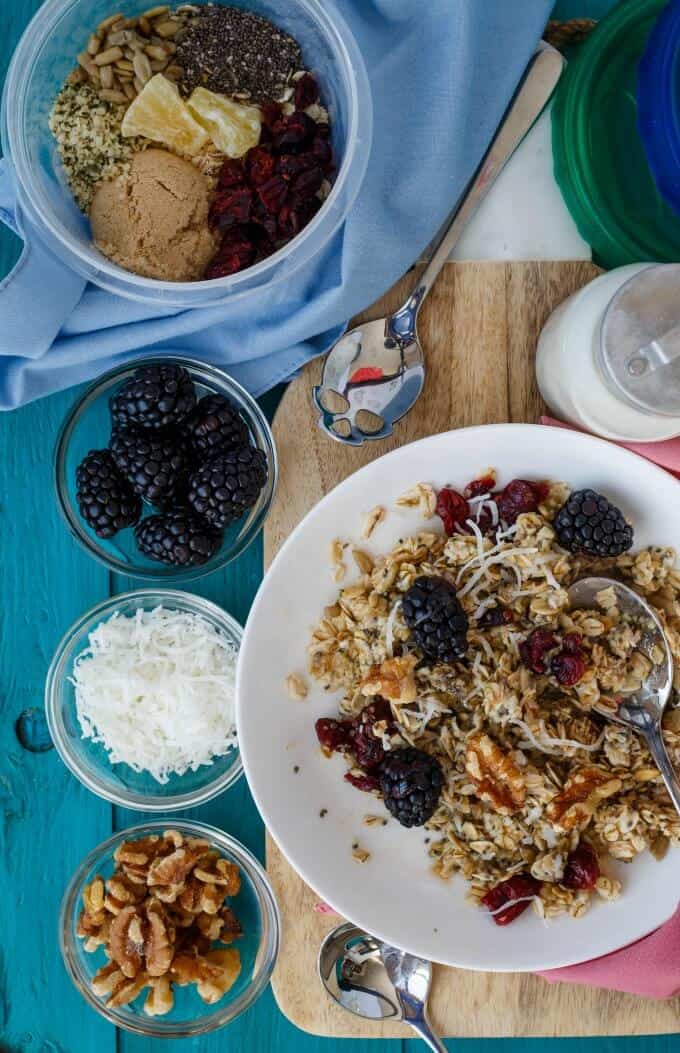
479	329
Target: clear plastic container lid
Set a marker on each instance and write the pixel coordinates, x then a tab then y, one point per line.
639	351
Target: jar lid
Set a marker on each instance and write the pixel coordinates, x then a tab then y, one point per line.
639	352
658	91
600	162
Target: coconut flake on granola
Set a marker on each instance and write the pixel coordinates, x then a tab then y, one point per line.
157	690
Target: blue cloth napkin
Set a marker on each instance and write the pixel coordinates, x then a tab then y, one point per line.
441	73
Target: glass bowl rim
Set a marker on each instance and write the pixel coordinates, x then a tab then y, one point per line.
308	242
268	909
57	672
97	388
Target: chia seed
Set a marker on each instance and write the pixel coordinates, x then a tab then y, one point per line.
235	52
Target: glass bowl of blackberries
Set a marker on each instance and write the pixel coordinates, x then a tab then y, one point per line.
166	469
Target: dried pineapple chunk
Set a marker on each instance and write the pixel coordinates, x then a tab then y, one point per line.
159	113
233	127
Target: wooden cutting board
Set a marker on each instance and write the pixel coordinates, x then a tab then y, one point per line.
479	329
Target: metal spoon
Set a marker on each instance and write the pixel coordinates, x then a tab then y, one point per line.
374	373
642	711
375	980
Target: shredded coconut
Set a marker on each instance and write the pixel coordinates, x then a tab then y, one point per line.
157	690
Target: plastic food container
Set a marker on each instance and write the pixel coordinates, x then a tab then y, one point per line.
254	906
46	54
600	161
658	98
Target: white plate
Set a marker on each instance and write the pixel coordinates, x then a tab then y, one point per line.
394	895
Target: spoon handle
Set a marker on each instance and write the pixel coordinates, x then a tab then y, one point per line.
543	73
657	748
423	1029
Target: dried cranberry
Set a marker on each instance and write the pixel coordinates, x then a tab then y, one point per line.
307	183
271	113
571	643
494	617
534	649
293	133
477	487
518	496
288	222
582	869
567	669
260	164
306	92
322	152
291	165
521	887
231	174
230	207
272	194
234	254
452	509
368	783
263	225
333	735
365	745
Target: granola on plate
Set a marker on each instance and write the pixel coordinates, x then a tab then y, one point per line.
473	696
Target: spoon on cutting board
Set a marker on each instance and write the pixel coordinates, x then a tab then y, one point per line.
644	709
375	372
374	980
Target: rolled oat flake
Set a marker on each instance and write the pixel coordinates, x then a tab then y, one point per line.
235	52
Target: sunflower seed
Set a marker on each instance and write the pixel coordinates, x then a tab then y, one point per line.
108	22
107	77
142	67
105	58
93	44
166	29
144	26
129	89
155	52
112	96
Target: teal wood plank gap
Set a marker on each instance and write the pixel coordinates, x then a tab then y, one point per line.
47	820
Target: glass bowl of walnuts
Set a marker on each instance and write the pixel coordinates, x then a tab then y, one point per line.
170	931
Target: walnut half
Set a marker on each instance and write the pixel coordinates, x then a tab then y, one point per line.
393	680
499	780
575	805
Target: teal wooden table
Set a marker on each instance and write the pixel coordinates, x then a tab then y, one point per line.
47	820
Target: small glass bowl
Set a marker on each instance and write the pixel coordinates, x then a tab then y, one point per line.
88	760
255	908
88	427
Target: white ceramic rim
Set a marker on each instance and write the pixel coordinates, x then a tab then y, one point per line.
60	668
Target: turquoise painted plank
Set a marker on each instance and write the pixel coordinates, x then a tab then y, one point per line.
47	820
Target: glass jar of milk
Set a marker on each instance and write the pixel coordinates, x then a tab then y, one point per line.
608	358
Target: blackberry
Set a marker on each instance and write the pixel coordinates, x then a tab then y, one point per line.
154	463
178	538
588	523
411	782
154	397
106	501
223	488
436	619
216	425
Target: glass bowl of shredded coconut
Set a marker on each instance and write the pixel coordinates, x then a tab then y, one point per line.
140	700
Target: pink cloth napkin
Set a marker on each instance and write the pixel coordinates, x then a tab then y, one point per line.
650	967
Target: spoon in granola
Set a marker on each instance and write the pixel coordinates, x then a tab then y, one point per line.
377	981
642	710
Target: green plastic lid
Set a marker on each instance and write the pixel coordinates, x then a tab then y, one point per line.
600	162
